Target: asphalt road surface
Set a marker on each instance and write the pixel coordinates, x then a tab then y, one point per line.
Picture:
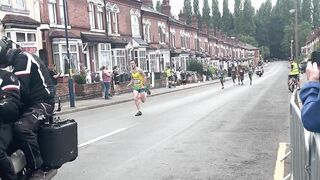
202	133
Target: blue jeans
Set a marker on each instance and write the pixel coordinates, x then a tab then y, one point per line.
106	89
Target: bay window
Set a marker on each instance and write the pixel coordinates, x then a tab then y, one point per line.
60	58
105	55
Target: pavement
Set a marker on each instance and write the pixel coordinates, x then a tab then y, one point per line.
82	105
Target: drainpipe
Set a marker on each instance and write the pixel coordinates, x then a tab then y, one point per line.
105	16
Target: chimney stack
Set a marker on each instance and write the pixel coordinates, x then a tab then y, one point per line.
182	17
166	8
194	21
147	3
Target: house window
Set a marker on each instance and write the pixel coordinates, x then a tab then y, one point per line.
21	37
140	57
153	62
146	32
60	58
61	10
99	17
105	55
173	39
52	11
135	25
119	59
25	37
112	18
162	34
21	4
91	15
6	2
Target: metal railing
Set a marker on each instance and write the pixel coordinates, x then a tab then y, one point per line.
305	146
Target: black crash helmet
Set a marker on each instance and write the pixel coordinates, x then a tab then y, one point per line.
5	45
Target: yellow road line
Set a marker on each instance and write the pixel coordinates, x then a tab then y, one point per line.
279	170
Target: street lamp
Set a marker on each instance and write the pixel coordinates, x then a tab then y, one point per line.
291	49
70	80
296	39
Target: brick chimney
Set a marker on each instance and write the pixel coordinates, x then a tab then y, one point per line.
205	28
182	16
166	8
194	21
147	3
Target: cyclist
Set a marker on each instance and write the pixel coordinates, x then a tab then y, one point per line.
294	73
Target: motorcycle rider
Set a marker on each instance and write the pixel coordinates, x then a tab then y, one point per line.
294	73
37	99
9	113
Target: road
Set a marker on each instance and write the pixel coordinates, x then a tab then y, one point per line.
201	133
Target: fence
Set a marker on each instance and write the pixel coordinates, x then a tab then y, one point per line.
305	146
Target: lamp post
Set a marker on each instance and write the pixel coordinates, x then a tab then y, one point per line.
291	49
296	37
70	79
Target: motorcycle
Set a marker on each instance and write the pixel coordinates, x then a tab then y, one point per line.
53	155
259	71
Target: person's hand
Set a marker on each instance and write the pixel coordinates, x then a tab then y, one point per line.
312	71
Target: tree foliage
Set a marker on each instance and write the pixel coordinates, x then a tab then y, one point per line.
227	19
216	15
196	11
306	11
158	6
187	9
206	13
316	13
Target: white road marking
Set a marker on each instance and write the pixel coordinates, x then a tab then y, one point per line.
104	136
279	170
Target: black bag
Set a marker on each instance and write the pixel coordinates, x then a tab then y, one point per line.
58	143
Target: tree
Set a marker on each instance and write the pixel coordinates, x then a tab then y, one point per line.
262	20
265	52
316	13
158	6
237	16
206	13
227	20
216	15
248	39
187	9
196	11
306	11
248	23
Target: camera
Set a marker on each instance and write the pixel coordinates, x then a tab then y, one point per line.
315	57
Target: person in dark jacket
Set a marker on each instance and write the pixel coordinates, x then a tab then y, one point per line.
37	99
9	113
310	114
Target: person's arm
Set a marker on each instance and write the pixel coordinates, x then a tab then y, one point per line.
22	69
310	114
10	97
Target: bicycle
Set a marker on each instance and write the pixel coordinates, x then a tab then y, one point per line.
293	84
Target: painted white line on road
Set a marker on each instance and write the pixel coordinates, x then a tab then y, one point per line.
279	170
104	136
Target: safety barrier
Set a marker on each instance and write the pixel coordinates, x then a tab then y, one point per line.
305	146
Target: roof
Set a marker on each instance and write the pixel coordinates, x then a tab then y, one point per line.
177	21
54	33
250	47
116	42
141	42
19	20
313	35
151	10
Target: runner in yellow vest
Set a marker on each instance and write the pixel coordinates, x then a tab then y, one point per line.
138	81
294	72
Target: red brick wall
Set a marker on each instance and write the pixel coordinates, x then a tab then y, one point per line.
78	14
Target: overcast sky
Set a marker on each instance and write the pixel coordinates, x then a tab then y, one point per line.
177	5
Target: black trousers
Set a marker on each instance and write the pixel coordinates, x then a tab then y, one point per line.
6	166
26	132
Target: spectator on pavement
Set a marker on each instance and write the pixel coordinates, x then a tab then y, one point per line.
101	80
54	76
309	95
116	80
107	78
